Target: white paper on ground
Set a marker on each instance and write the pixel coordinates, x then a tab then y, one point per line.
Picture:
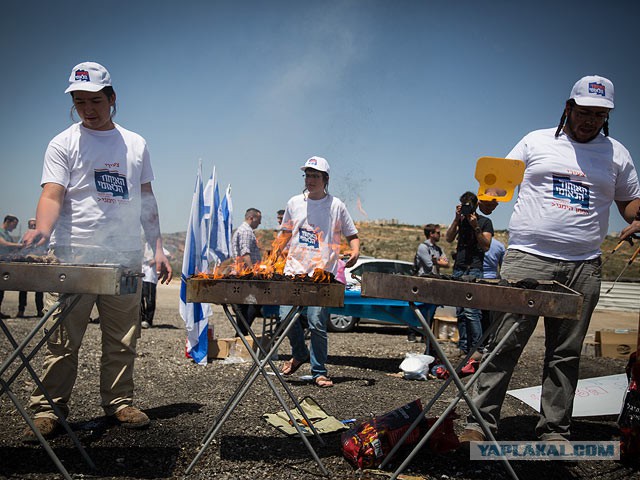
594	396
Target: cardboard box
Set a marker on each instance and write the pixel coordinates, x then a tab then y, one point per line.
220	348
445	328
619	343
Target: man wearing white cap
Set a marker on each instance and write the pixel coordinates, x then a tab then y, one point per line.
573	174
312	227
96	196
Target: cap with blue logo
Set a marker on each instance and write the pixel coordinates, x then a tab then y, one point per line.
593	91
317	163
88	77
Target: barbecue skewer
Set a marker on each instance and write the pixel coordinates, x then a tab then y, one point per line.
617	247
629	262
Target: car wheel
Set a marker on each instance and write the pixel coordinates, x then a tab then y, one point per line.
342	323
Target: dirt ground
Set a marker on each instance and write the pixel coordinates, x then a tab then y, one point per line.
183	399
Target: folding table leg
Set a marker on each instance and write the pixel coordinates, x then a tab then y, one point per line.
41	439
18	352
462	394
247	381
267	355
437	395
257	369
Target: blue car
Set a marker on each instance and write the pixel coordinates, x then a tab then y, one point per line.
373	310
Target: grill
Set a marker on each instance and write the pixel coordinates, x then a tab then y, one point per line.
103	279
264	292
548	299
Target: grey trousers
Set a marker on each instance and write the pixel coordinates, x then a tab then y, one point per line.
563	344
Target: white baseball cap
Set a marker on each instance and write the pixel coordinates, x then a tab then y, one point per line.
317	163
89	77
593	91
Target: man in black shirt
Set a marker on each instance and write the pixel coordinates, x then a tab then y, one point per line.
474	233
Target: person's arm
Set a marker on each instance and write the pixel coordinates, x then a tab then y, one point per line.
8	244
443	261
281	242
630	211
483	238
47	214
151	225
354	244
246	258
452	231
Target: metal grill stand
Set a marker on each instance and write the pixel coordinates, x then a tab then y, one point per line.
71	281
463	394
265	292
68	302
556	300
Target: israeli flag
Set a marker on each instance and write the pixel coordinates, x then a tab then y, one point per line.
195	315
222	247
212	201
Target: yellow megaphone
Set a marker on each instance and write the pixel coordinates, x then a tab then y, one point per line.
498	177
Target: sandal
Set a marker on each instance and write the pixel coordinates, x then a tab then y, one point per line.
291	366
323	382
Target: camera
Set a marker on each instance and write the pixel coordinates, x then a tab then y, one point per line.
466	209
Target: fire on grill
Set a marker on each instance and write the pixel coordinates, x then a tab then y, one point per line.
264	284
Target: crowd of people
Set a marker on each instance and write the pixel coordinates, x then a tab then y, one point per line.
81	219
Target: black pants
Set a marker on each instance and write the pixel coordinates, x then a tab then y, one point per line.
148	305
249	312
22	301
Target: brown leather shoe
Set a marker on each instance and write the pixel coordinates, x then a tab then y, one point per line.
469	435
131	417
48	427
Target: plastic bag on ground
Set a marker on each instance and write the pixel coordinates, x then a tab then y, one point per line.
416	366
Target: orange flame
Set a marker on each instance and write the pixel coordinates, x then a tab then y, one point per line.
272	263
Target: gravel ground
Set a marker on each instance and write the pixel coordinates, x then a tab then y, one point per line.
183	399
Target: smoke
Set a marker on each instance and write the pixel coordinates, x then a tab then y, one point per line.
349	188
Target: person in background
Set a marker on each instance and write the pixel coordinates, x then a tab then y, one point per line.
96	196
245	249
280	216
149	286
22	296
7	246
428	260
573	174
491	269
474	233
312	227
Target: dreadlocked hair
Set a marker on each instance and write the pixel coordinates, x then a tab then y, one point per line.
563	119
605	128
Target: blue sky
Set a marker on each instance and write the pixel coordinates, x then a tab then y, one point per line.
401	97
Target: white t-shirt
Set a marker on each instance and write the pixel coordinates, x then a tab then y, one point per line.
102	172
562	210
316	227
149	270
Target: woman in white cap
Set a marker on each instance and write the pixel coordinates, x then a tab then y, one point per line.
313	223
96	194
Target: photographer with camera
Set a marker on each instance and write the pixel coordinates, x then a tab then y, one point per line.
474	233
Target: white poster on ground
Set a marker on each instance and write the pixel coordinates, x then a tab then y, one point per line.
594	396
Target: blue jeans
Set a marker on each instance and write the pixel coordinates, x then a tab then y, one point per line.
317	318
469	319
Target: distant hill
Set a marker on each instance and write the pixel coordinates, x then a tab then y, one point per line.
399	242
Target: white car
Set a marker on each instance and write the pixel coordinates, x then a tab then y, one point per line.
356	308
